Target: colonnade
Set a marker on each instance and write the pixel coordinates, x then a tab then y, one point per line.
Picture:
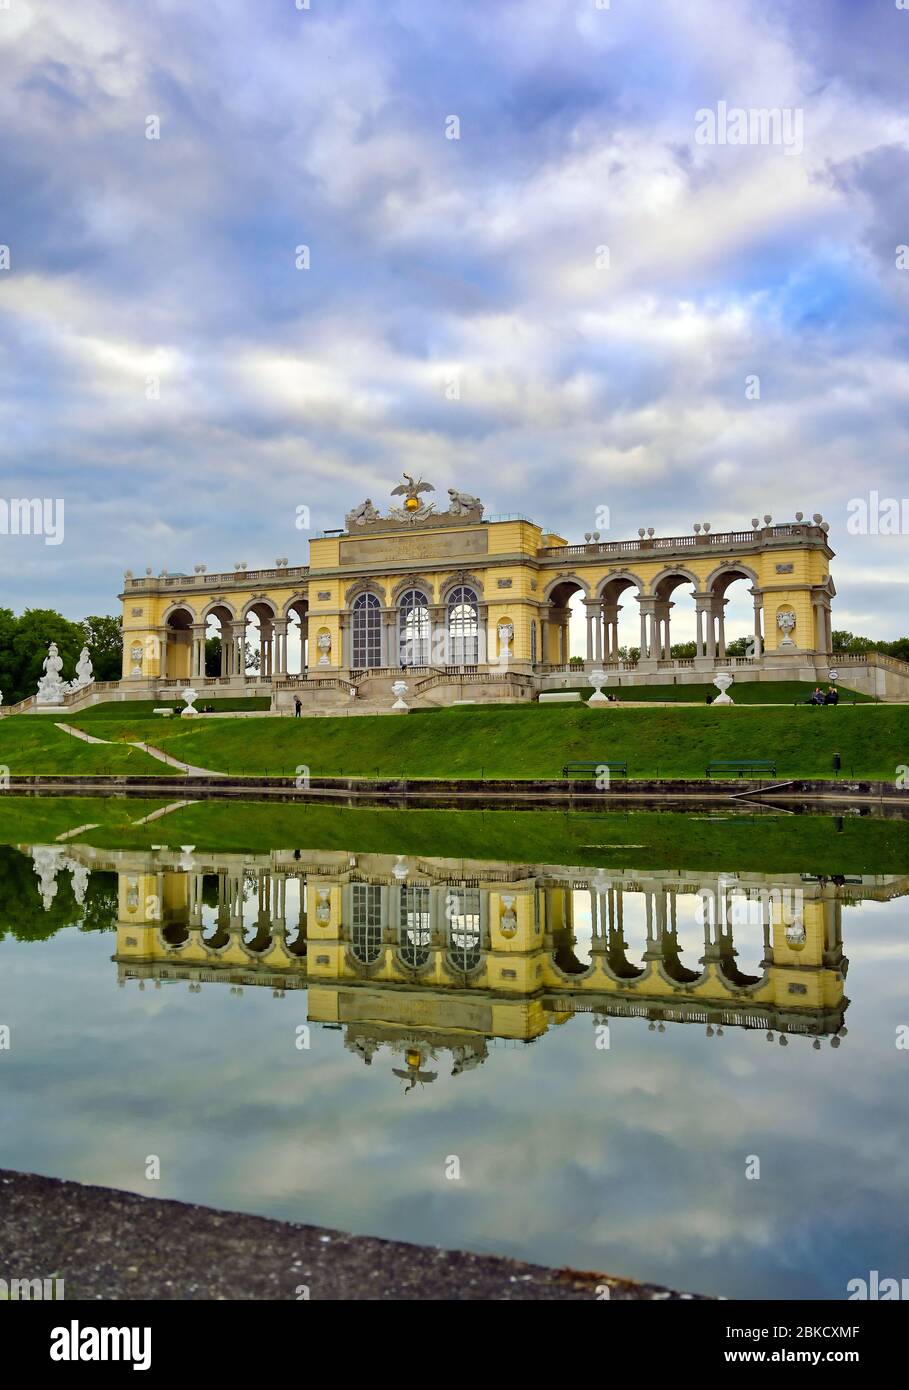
235	636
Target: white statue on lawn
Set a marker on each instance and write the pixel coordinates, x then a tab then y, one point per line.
50	687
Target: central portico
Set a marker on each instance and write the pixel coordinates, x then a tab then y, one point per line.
466	606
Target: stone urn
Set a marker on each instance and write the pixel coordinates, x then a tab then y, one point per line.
722	681
189	695
786	622
598	679
400	690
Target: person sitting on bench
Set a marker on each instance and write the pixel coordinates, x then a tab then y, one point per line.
832	697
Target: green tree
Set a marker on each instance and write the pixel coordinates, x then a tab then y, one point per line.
33	633
9	675
213	656
104	639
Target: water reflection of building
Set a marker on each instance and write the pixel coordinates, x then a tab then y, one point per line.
434	958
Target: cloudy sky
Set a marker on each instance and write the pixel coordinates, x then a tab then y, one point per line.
170	372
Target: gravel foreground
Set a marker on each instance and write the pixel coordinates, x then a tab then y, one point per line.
107	1244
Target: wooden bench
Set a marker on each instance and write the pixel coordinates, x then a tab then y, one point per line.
745	767
594	769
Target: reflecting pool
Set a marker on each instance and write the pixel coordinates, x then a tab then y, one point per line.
654	1072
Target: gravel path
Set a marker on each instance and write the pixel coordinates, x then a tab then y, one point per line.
108	1244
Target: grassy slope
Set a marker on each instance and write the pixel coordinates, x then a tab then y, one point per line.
29	743
760	843
514	741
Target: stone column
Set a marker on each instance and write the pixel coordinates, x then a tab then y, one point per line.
197	664
590	621
264	650
598	630
721	627
758	611
239	649
280	629
390	653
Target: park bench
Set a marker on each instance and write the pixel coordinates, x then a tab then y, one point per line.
744	767
594	769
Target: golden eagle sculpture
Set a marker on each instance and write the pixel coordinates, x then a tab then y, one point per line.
410	490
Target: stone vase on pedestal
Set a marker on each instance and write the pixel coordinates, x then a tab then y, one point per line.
598	678
722	681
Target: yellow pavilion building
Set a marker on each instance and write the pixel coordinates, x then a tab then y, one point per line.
461	606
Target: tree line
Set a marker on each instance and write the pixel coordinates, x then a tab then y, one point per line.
24	641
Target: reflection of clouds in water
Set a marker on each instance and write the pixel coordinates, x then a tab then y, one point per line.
630	1159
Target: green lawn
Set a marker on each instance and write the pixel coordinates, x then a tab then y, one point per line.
743	842
527	741
30	743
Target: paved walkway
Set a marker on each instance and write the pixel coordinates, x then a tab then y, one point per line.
146	748
107	1244
164	811
80	733
175	762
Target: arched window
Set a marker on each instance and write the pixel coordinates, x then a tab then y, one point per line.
366	922
463	627
464	931
367	632
415	935
413	629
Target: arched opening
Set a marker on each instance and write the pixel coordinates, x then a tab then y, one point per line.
218	641
414	926
732	623
465	945
178	648
565	623
294	648
366	922
621	622
366	633
677	639
463	627
414	629
259	640
572	943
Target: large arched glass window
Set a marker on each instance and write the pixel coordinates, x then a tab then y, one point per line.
415	935
413	629
462	909
367	632
366	922
463	627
